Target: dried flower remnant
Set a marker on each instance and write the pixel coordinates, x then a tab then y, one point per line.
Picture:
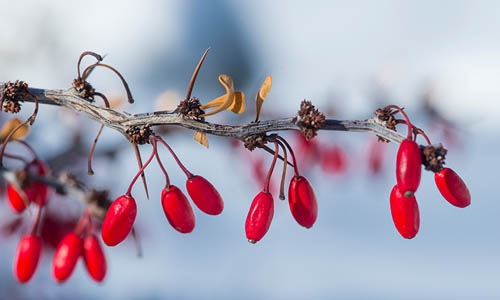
309	119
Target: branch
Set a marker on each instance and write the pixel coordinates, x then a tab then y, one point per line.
66	185
121	121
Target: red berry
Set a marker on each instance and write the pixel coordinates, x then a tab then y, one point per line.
405	213
309	151
452	187
95	260
37	192
204	195
259	217
408	167
119	220
302	201
66	256
177	209
376	156
27	256
333	159
17	203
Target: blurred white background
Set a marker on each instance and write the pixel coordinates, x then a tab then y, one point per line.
349	56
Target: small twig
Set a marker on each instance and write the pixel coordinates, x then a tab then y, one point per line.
62	187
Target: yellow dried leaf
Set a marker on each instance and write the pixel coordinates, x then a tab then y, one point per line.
232	100
262	94
215	103
238	105
9	126
201	138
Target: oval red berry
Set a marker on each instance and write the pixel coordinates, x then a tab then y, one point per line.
302	201
119	220
94	258
66	256
37	192
27	257
17	203
452	187
333	160
259	217
408	167
204	195
405	213
177	209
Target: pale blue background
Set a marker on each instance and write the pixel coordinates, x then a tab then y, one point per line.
335	53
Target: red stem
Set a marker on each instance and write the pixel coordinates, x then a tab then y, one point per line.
183	168
89	69
422	133
270	172
410	125
141	170
36	224
85	53
167	183
9	136
295	168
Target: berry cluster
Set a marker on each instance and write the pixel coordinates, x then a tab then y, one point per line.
301	197
27	190
409	160
120	217
82	242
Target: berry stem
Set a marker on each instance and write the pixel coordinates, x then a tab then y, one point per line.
36	224
162	168
407	119
270	172
422	133
183	168
92	149
12	156
283	173
85	53
141	170
90	68
295	168
90	226
9	136
84	223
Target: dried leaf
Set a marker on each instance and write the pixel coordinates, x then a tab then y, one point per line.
262	94
238	105
232	100
201	138
9	126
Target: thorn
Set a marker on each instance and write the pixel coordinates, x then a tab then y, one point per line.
137	242
195	73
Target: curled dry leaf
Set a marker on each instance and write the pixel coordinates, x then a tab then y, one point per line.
232	100
262	94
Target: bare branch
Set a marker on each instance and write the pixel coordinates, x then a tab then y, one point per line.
121	121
